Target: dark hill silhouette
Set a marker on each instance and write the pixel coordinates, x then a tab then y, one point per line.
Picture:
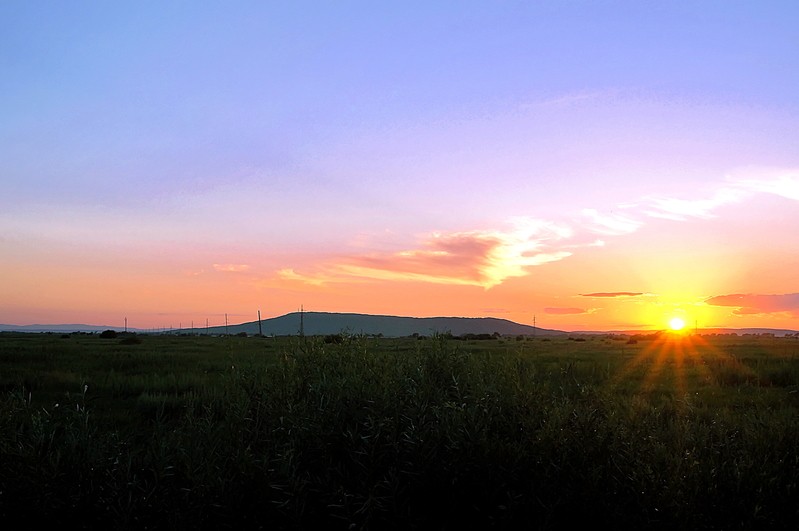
323	323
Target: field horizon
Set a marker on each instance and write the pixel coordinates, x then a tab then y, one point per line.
387	325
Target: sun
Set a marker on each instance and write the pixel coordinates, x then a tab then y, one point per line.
677	324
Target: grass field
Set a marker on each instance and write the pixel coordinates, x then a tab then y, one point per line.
351	432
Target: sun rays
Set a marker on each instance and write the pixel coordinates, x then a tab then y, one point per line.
676	362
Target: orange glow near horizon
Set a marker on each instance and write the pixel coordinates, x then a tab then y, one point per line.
167	287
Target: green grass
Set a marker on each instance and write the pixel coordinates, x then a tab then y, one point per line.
247	433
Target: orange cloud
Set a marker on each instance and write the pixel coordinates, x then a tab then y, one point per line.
314	280
483	258
231	268
612	294
752	304
566	311
461	256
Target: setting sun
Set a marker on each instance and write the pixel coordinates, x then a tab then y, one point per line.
677	323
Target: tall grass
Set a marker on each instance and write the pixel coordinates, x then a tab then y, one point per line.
433	434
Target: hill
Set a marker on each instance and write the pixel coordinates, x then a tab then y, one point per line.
323	323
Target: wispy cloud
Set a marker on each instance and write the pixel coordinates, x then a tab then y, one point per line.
494	310
780	182
683	209
568	99
611	224
753	304
784	183
567	311
612	294
314	280
231	268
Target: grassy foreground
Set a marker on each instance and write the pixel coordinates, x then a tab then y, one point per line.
365	433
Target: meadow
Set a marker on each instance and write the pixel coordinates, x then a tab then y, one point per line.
355	432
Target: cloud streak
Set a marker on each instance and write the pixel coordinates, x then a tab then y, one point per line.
231	268
612	294
612	224
566	311
782	183
779	182
754	304
683	209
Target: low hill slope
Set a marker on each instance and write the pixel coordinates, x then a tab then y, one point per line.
323	323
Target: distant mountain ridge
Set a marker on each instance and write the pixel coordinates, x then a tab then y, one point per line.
324	323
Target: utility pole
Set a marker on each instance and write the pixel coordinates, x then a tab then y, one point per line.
260	331
126	325
533	326
226	332
302	321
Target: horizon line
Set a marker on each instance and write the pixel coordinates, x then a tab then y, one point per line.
171	329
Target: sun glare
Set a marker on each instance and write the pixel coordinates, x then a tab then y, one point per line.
677	323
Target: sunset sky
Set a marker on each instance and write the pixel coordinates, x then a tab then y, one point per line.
598	165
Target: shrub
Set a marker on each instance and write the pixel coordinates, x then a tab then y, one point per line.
334	338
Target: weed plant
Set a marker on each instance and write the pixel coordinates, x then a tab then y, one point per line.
291	433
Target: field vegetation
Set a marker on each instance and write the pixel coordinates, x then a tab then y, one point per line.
354	432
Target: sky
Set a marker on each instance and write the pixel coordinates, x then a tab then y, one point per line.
603	165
